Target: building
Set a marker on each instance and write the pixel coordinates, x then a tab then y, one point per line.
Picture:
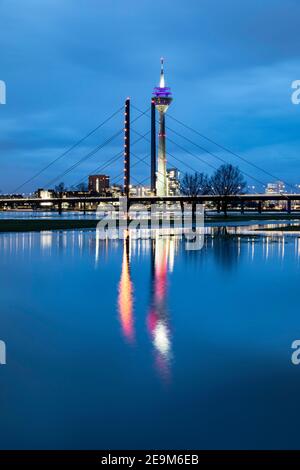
140	191
44	193
162	99
275	188
115	190
173	176
98	183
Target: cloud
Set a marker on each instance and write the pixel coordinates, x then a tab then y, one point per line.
68	65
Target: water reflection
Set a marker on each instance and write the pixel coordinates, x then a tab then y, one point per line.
125	297
46	240
162	255
225	248
227	251
158	321
218	362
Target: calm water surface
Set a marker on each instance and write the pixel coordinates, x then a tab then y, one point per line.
142	344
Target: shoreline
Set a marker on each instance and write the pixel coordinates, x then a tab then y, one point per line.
37	225
287	228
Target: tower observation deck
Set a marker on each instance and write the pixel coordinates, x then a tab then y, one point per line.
162	98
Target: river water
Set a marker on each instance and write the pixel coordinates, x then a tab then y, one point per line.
143	344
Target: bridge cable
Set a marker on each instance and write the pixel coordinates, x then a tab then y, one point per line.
226	149
110	161
68	150
82	159
92	152
206	151
181	161
120	175
213	155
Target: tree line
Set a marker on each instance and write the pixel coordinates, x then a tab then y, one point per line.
227	180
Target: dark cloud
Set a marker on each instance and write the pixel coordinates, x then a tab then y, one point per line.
68	65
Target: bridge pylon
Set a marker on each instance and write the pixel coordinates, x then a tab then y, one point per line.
126	185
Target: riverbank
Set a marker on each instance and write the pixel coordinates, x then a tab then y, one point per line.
286	228
33	225
37	225
252	217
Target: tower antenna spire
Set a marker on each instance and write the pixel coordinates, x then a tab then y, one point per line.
162	75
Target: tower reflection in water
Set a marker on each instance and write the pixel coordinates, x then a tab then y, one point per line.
158	320
161	261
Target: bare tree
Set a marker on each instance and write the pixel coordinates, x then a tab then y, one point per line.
227	181
194	184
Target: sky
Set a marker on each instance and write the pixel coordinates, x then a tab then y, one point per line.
68	65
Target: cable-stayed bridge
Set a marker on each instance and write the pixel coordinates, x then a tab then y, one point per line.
197	156
193	153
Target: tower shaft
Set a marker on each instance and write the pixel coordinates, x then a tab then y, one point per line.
161	178
153	148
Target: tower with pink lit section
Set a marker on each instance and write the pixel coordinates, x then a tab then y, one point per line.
162	98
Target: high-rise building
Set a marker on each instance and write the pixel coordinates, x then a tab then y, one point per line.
275	188
44	193
162	99
115	190
173	176
98	183
140	191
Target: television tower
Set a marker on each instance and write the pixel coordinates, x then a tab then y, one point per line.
162	99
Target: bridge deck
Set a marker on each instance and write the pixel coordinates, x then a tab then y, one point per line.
154	199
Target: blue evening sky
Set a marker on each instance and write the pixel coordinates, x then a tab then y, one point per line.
68	64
